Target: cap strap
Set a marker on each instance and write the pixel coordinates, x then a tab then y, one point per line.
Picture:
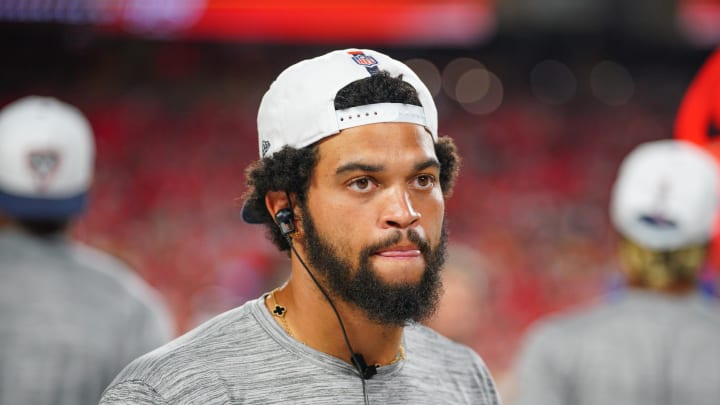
380	112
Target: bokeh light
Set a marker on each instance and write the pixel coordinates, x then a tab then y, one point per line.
552	82
454	70
611	83
428	73
482	91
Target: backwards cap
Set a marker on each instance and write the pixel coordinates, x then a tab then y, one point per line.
46	159
666	195
299	108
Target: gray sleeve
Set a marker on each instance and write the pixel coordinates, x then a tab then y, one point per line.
487	392
439	370
147	322
154	327
145	318
147	326
542	369
132	392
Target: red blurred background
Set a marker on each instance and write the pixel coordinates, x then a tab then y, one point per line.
543	100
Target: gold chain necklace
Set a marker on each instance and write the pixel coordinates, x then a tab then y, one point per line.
399	356
280	311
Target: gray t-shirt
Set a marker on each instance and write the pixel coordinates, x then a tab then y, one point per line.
643	348
244	357
71	318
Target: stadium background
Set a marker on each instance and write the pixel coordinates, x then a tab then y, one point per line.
542	98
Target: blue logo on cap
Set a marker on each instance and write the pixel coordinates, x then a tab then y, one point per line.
658	221
367	61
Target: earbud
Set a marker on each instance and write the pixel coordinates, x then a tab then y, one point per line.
284	219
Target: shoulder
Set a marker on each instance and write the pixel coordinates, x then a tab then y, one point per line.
191	365
555	338
421	336
430	346
105	264
572	322
118	280
549	350
708	308
629	311
449	364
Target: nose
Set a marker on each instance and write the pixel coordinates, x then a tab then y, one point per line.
399	211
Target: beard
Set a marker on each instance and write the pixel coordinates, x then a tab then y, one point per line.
382	302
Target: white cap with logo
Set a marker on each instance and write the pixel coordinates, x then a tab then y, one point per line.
666	195
299	108
47	154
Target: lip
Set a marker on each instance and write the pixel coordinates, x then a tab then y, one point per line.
399	252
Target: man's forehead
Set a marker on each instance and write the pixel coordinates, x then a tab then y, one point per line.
377	143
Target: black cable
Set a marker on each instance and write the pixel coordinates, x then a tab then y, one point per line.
363	370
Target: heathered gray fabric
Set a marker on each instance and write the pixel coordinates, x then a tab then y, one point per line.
70	319
244	357
644	348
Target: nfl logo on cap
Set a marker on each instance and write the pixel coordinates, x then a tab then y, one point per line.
361	59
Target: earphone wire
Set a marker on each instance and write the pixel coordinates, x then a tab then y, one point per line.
353	356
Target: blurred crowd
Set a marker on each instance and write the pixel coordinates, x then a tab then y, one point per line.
175	125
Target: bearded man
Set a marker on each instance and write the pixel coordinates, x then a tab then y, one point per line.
352	183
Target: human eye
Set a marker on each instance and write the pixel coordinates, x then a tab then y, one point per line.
361	184
424	181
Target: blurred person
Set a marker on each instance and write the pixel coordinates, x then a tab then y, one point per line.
655	342
351	183
71	317
465	307
464	295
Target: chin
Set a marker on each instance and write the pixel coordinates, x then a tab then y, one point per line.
399	273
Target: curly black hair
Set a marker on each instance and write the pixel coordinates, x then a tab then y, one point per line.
290	169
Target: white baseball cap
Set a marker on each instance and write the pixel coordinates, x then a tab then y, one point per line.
666	195
299	108
47	154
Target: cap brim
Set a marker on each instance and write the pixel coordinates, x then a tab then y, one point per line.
249	215
42	208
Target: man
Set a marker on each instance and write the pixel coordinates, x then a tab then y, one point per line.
657	342
351	181
71	317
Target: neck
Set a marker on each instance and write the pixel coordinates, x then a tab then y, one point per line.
310	319
676	289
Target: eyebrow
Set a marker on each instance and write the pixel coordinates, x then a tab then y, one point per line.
353	166
432	162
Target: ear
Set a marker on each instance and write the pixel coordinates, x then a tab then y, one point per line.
275	201
278	200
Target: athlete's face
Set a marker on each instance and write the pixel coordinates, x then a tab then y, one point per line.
373	222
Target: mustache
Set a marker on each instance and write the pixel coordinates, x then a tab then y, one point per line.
412	236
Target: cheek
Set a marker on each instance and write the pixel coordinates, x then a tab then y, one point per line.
433	213
333	216
337	224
